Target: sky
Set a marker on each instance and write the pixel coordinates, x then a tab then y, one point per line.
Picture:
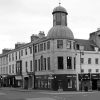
19	19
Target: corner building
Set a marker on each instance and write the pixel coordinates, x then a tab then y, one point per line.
55	56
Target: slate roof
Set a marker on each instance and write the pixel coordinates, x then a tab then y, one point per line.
88	44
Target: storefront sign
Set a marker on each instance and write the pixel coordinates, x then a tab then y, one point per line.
18	77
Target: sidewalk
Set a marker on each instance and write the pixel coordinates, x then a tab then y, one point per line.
44	91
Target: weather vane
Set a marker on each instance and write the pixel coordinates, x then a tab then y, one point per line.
59	2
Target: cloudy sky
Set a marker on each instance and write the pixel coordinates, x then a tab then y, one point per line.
19	19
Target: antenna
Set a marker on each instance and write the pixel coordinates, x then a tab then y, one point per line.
59	2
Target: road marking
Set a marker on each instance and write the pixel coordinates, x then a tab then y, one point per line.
40	99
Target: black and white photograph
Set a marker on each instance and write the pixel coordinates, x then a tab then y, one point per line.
49	50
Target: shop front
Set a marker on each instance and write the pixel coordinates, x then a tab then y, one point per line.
19	81
64	82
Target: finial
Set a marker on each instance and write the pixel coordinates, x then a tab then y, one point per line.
59	2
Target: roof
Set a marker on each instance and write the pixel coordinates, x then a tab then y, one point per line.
88	44
60	32
59	9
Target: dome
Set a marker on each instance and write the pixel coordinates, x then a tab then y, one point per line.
60	31
59	9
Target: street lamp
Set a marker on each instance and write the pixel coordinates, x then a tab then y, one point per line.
81	53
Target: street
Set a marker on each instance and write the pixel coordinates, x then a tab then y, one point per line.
7	94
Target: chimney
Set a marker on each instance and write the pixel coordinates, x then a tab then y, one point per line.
5	50
34	37
18	44
41	34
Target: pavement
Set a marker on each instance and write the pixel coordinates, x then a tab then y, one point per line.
45	91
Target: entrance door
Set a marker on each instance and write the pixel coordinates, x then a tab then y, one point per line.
60	84
94	84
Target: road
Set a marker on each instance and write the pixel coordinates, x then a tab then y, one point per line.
47	95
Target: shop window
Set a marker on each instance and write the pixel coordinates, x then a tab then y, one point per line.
69	83
48	45
49	84
96	61
89	60
60	44
69	62
60	62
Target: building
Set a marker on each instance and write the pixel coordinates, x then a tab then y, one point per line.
57	61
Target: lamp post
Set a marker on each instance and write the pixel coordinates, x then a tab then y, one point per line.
81	53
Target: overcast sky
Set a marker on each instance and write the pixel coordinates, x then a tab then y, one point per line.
19	19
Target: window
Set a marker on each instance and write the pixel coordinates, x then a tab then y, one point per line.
35	65
26	51
12	56
60	62
9	57
31	65
74	63
77	46
48	45
41	47
35	48
44	63
39	64
69	62
44	46
89	60
59	43
21	52
12	68
82	60
69	83
58	19
16	55
30	49
89	70
26	66
38	48
82	70
97	70
48	62
9	68
96	61
68	44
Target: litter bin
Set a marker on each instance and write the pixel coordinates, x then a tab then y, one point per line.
86	88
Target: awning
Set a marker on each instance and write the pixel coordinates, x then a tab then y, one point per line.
18	77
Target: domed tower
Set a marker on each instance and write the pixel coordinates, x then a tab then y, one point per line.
60	29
